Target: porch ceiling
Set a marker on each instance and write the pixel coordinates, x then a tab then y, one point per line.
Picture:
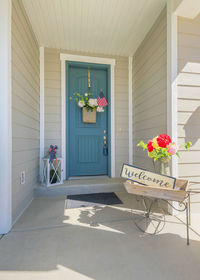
114	27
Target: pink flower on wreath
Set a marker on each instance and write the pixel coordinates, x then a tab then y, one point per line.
172	148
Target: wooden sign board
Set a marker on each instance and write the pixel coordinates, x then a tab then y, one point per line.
145	177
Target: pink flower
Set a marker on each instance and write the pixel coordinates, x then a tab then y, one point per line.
172	148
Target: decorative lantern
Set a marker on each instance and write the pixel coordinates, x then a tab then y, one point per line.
52	172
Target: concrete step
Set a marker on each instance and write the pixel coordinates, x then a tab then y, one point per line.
82	186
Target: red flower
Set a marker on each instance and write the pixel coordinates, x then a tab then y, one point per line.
163	140
150	146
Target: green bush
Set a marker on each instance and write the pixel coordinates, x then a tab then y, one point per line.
51	176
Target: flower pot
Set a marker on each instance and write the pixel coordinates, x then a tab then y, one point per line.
88	116
164	167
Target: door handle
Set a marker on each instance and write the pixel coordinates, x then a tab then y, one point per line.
105	147
105	140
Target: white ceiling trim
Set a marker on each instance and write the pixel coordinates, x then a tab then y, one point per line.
88	59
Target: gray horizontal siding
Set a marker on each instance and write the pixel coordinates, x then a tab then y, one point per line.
25	109
189	96
149	89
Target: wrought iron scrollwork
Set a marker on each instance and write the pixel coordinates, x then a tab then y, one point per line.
182	204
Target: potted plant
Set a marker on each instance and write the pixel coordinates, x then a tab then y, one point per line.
161	148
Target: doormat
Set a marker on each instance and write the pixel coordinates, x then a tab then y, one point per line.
94	199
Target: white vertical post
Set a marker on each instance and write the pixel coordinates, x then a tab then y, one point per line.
41	108
130	100
5	117
61	160
172	95
172	79
48	172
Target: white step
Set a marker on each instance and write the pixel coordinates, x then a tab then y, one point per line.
82	186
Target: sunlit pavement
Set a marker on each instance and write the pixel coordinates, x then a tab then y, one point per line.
51	242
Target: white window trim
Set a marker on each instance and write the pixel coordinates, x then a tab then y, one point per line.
86	59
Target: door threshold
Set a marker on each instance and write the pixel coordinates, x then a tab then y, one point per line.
88	177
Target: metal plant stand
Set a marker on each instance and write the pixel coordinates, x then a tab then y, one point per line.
150	222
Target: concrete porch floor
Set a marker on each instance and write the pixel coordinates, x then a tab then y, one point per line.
51	242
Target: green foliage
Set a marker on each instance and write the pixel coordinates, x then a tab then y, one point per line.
53	176
84	98
159	153
188	145
142	145
178	155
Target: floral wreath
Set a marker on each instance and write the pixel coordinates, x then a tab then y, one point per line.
89	103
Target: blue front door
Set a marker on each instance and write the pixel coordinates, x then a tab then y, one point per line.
86	140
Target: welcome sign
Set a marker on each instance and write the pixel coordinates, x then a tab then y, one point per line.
145	177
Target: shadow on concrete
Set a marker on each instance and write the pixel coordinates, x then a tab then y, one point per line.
105	244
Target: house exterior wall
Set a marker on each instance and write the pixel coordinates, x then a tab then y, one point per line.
189	96
149	85
25	109
53	102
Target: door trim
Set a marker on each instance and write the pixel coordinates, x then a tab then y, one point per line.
42	124
87	59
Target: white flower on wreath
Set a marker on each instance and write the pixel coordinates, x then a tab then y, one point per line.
95	102
100	109
92	102
81	103
86	94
